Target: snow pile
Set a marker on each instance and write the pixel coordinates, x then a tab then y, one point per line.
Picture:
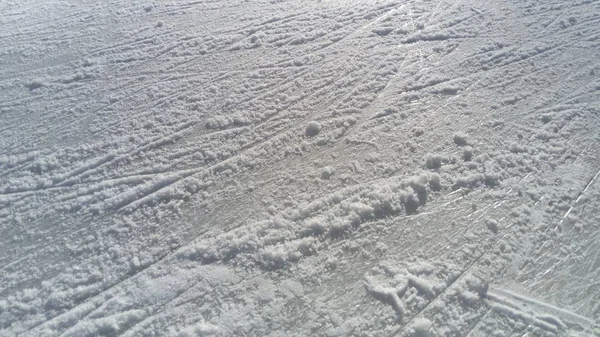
297	232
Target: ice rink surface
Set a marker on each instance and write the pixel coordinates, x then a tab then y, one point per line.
300	168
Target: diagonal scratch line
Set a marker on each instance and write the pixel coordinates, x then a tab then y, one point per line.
580	195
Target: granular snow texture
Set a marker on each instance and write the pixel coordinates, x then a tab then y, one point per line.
299	168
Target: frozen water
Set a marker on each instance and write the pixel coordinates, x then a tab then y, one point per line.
299	168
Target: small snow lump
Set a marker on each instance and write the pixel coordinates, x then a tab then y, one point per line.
312	129
433	161
492	225
467	154
35	83
411	204
421	327
460	139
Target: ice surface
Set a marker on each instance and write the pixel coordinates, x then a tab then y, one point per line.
299	168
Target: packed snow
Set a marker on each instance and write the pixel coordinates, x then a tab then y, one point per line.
300	168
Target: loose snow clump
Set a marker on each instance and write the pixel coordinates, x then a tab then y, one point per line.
386	112
433	161
467	154
546	118
198	329
492	225
421	327
35	83
418	131
327	172
460	139
411	204
492	179
312	129
469	181
434	182
472	180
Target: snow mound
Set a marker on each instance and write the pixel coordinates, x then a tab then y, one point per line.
312	129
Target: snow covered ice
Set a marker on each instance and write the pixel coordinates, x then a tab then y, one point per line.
300	168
